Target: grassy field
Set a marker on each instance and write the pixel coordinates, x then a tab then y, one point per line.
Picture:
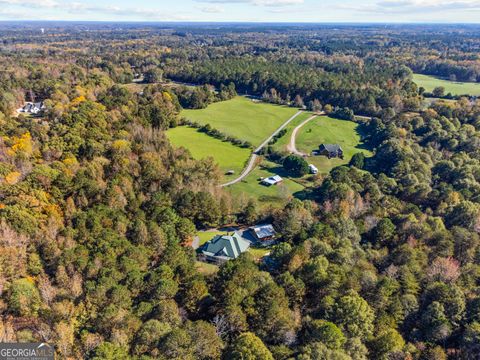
454	87
242	118
200	145
250	187
327	130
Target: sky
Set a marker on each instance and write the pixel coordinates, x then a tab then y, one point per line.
385	11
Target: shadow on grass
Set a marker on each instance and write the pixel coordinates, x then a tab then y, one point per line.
362	132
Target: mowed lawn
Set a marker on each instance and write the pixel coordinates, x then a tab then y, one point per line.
200	145
242	118
326	130
250	187
454	87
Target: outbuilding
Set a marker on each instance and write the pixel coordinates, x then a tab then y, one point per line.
264	232
273	180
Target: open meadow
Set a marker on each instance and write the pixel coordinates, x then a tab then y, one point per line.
242	118
327	130
227	156
454	87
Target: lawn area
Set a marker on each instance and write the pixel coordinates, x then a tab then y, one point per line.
242	118
327	130
259	253
200	145
205	236
273	195
454	87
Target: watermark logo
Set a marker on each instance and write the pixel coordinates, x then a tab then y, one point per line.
26	351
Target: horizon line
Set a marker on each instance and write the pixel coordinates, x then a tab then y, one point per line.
340	22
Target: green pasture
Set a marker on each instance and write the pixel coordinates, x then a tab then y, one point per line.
456	88
200	145
242	118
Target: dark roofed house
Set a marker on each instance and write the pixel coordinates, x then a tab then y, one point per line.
331	150
223	248
263	232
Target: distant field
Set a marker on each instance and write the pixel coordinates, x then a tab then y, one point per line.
273	195
327	130
200	145
456	88
242	118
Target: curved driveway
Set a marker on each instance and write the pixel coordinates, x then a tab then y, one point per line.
253	159
292	147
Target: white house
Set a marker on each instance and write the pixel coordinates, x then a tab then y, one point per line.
32	108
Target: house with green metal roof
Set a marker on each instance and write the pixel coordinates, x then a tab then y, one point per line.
223	248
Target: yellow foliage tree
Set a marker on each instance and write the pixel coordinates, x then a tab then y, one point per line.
21	145
12	178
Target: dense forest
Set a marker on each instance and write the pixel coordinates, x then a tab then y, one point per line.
381	261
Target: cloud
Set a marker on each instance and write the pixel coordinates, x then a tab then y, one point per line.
12	9
273	3
214	9
415	6
130	13
32	3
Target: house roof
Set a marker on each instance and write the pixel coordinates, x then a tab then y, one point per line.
263	231
331	147
273	180
226	246
32	106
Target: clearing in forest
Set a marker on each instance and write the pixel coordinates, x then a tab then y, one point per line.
456	88
327	130
242	118
250	187
200	145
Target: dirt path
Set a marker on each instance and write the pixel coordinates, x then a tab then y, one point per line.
195	242
253	159
292	147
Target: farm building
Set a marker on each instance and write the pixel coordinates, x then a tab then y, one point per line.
32	108
331	150
263	233
313	169
223	248
273	180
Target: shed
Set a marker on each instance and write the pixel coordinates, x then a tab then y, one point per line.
273	180
263	232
